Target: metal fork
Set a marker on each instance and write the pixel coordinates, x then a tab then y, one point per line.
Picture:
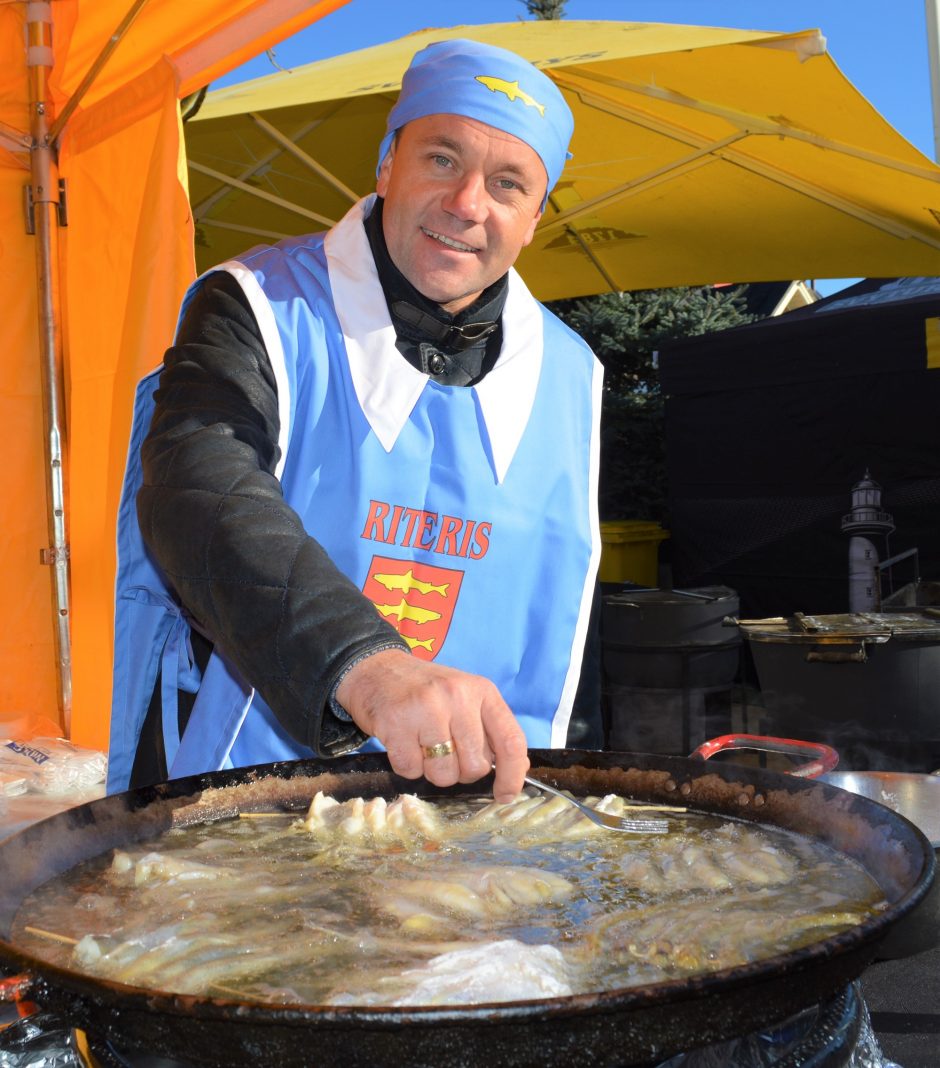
605	819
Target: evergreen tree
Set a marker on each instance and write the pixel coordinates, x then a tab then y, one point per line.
625	330
545	9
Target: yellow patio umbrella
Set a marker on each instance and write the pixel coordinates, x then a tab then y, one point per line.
95	252
699	155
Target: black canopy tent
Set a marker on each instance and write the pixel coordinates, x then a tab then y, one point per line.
769	426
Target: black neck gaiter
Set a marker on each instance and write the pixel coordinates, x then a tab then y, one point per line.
455	350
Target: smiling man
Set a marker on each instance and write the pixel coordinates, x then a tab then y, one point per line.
365	476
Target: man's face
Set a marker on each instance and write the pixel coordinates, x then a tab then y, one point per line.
462	200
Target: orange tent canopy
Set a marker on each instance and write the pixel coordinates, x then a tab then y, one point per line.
121	257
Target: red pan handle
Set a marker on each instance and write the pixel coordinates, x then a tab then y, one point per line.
821	758
18	988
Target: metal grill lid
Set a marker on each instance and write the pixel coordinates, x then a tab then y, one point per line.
869	627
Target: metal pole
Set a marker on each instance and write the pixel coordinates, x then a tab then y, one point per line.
932	8
55	132
43	219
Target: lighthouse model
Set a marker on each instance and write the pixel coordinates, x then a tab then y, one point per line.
865	521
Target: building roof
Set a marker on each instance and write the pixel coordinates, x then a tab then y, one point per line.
875	292
766	299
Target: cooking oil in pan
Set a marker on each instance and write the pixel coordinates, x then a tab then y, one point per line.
447	902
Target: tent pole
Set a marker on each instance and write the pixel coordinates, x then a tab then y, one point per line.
933	52
44	209
55	132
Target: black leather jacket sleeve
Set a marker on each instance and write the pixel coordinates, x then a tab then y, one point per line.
212	513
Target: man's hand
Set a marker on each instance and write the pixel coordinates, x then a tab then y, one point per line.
408	704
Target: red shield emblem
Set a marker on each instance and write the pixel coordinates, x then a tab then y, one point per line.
417	599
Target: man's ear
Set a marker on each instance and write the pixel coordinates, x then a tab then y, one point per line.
530	233
385	171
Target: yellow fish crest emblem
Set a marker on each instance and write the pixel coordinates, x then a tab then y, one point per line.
512	91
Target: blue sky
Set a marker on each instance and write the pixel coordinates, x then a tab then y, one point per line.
881	47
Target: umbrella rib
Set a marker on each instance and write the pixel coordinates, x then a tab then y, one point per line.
614	288
254	230
704	155
235	183
740	159
754	124
296	151
210	201
848	207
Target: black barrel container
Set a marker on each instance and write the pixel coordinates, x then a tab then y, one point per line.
669	663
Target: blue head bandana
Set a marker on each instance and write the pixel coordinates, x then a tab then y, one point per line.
491	85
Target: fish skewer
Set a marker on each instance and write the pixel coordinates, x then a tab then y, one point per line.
64	939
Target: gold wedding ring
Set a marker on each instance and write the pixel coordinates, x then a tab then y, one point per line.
442	749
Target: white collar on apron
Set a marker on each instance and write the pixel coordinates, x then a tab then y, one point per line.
388	387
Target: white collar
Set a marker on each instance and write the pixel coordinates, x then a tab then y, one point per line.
388	387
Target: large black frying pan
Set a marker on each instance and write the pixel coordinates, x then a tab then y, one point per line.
637	1026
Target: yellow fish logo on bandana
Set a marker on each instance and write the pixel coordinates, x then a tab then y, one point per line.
512	91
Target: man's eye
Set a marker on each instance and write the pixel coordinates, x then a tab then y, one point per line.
506	183
441	161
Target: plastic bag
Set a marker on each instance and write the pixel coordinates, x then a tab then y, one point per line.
39	1041
52	765
835	1033
12	784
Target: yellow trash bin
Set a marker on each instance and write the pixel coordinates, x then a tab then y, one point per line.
630	551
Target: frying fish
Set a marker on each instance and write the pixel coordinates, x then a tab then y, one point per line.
410	902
